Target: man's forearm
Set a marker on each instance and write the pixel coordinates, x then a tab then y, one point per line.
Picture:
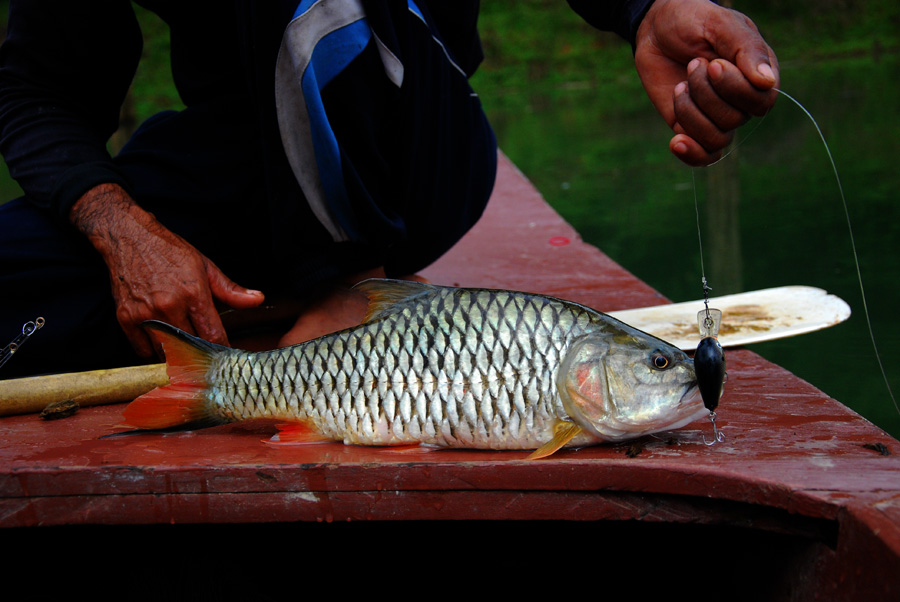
105	214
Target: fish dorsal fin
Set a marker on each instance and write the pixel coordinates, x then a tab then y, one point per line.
389	296
563	433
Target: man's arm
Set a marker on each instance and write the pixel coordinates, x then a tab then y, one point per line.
154	273
61	88
60	93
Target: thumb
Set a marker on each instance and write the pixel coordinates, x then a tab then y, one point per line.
739	41
762	71
225	290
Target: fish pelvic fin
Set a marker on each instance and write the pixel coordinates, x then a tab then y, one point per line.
183	401
563	432
388	296
299	432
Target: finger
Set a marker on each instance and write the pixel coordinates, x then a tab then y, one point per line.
205	317
197	309
737	40
695	124
230	293
733	88
690	152
719	111
208	326
193	311
142	344
137	336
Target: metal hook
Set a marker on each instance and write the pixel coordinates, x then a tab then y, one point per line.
717	434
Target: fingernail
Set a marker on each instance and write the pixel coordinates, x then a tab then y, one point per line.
766	71
693	65
680	87
680	148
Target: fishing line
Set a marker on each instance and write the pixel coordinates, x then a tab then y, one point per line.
862	289
699	236
709	358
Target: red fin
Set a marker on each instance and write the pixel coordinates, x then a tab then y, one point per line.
183	400
297	433
413	448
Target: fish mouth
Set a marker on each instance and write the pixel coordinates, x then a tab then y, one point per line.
691	405
688	408
693	391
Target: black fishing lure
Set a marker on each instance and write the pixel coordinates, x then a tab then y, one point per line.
709	365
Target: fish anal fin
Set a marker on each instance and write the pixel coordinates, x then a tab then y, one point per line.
412	448
297	433
183	400
563	433
387	296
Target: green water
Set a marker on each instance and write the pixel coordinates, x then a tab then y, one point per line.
771	214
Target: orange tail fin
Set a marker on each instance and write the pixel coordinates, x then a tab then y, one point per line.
183	401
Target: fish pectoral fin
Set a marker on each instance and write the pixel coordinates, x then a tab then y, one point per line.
563	433
297	433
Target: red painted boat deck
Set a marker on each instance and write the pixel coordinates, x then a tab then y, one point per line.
797	503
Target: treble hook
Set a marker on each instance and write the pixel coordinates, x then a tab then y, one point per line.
717	434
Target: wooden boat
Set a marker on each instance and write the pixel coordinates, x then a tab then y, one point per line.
801	501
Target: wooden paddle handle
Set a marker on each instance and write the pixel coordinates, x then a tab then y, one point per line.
97	387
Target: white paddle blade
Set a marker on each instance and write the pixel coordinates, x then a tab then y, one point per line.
750	317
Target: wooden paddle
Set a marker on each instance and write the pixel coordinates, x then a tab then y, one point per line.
747	318
97	387
751	317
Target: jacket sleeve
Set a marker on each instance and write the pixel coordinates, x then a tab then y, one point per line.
620	16
65	68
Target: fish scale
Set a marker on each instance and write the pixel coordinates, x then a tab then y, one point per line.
441	366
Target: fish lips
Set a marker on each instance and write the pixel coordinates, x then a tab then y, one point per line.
688	409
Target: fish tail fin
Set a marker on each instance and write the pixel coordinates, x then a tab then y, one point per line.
184	400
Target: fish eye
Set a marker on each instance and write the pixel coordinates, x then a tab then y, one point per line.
660	361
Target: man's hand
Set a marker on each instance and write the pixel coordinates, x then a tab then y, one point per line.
707	70
154	273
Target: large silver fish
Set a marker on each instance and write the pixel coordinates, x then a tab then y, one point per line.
441	366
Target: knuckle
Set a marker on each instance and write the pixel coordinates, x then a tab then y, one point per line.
129	316
169	302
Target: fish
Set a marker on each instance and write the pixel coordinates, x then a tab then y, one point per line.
437	367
